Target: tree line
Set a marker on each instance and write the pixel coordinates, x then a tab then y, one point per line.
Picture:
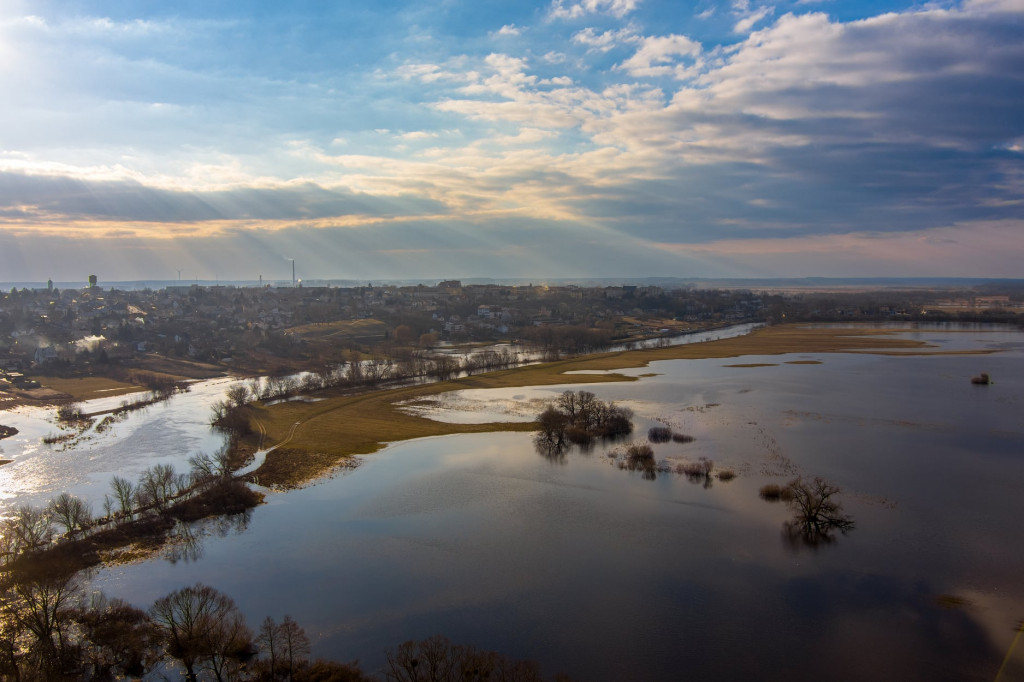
67	533
53	630
229	414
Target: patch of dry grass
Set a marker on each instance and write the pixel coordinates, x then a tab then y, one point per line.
341	330
87	388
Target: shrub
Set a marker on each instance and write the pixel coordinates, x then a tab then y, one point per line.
682	438
659	434
639	453
578	435
70	412
775	493
726	475
701	469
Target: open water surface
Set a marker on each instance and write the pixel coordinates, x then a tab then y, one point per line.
604	575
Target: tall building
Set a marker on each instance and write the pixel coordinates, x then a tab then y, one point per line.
92	281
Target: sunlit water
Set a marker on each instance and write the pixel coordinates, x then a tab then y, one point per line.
168	432
599	573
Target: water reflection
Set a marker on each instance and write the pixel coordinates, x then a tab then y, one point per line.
817	515
186	542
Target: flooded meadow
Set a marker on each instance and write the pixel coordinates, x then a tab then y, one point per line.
607	573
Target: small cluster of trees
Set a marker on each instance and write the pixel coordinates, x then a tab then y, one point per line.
572	339
71	412
436	659
579	417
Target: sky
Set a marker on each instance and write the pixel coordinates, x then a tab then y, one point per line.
474	138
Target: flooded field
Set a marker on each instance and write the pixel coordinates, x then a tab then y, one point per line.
83	463
608	574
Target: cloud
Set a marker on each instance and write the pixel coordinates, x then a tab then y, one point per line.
510	30
606	40
59	201
657	56
750	18
803	127
615	8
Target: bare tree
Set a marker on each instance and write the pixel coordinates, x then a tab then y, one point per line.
269	639
125	494
438	660
295	645
118	639
70	512
208	467
378	369
238	395
230	644
817	515
42	606
157	486
196	625
29	528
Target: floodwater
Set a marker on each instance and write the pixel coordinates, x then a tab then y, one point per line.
168	432
605	575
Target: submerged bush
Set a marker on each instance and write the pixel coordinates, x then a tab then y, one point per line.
696	470
659	434
775	493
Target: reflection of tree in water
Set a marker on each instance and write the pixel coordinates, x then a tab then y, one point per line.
550	449
185	544
186	541
817	515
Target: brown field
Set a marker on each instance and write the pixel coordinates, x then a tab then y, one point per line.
345	330
319	436
177	368
87	388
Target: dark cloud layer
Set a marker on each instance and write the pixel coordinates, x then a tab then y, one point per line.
69	198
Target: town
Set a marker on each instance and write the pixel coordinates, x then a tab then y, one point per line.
195	331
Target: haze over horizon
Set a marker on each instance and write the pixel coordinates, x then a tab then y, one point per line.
599	138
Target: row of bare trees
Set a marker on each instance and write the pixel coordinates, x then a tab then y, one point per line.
52	629
67	517
229	414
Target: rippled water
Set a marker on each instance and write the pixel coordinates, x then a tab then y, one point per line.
604	575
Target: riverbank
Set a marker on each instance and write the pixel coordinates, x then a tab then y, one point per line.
323	434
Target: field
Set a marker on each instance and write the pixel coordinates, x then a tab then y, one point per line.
355	331
87	388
